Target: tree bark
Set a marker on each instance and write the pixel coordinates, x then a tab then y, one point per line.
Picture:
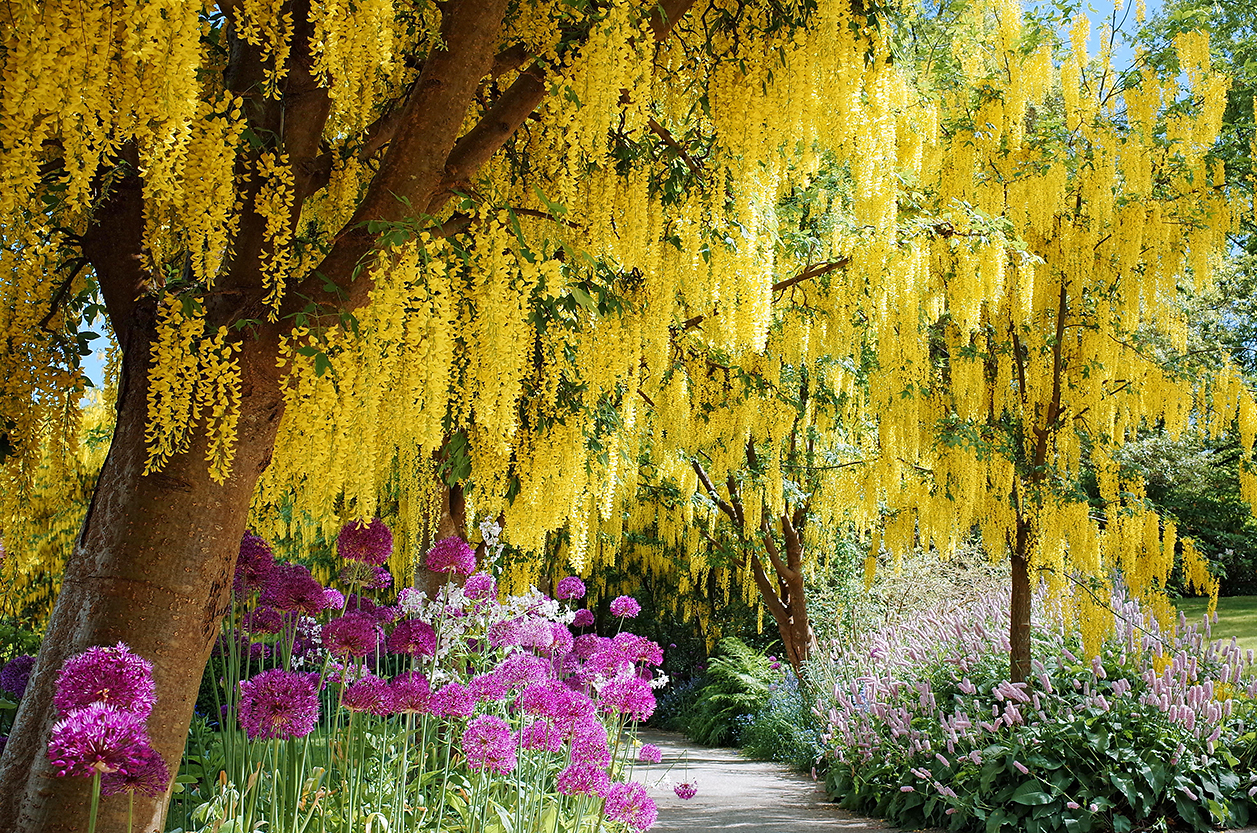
1019	608
152	567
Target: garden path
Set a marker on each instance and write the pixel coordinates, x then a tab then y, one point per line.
736	793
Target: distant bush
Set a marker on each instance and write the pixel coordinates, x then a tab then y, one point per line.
783	728
737	684
926	730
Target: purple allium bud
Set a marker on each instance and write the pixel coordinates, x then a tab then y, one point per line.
570	588
264	620
488	744
370	694
583	779
253	565
625	607
451	555
291	589
452	700
95	738
411	692
146	773
686	790
16	674
629	804
279	704
106	675
413	636
650	754
480	586
368	543
584	619
351	635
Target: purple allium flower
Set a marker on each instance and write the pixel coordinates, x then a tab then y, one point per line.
452	700
411	692
413	636
480	586
451	555
632	697
333	599
686	790
355	573
519	670
589	744
351	635
16	674
290	588
584	618
588	645
570	588
369	544
370	694
626	607
542	699
279	704
572	709
650	754
542	734
106	675
638	648
95	738
381	579
146	773
583	779
561	639
253	566
628	803
263	619
488	744
506	633
487	687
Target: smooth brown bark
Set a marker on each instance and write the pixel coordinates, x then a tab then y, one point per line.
1019	611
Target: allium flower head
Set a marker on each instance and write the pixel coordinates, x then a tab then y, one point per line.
146	773
291	589
351	635
368	543
411	693
650	754
95	738
381	579
686	790
638	648
519	670
106	675
570	588
583	779
487	687
263	619
355	573
253	565
15	674
451	555
583	619
452	700
413	636
542	734
279	705
626	607
589	744
333	599
370	694
488	744
632	697
480	586
629	803
542	699
561	639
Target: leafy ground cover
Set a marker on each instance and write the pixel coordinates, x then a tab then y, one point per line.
1237	617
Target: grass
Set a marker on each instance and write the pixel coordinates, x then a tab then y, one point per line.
1237	616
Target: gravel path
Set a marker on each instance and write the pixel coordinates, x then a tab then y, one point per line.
735	793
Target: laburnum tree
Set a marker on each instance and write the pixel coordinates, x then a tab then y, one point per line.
334	242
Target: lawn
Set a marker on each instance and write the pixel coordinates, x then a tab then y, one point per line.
1237	616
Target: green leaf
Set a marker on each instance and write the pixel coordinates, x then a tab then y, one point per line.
995	821
583	298
1030	793
321	364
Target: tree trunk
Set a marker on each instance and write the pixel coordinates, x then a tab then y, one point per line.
1019	608
453	522
152	567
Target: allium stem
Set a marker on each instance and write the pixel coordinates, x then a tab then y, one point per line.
91	817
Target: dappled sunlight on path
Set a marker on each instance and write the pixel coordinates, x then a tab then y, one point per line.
735	793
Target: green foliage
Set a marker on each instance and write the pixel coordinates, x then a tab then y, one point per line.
783	729
737	684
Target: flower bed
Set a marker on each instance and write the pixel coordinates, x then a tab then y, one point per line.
924	728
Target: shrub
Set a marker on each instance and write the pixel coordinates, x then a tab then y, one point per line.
925	729
737	683
783	729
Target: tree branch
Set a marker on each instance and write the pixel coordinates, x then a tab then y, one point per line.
665	16
721	503
774	554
